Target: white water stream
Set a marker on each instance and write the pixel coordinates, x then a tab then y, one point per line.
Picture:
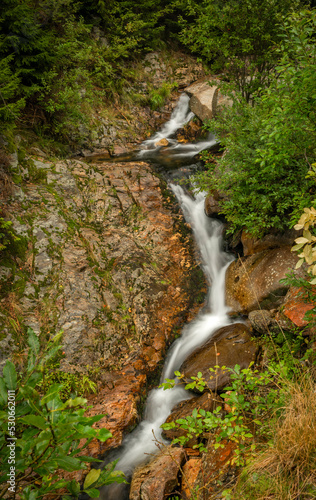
141	443
180	116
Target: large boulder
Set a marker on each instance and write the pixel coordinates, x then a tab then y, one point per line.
229	346
255	280
159	478
203	100
253	245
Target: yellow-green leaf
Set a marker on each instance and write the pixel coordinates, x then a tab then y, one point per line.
308	253
299	263
91	478
296	248
307	234
301	239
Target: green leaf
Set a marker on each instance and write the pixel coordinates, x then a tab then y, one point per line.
93	493
3	390
75	402
54	406
33	341
9	375
74	488
57	337
31	361
51	394
104	434
91	478
29	494
69	463
36	421
28	392
51	353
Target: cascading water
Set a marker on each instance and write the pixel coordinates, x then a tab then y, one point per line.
177	151
141	443
180	116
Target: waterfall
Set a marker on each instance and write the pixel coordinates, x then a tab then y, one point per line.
142	442
180	116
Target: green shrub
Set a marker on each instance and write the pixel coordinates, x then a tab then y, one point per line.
271	146
237	37
40	434
7	234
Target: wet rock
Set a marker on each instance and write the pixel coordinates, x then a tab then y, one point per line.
212	205
260	320
253	245
207	402
255	280
204	101
117	400
295	307
162	142
229	346
190	477
159	478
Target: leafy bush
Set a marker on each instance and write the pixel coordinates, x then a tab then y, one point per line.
237	37
248	402
41	434
271	146
158	97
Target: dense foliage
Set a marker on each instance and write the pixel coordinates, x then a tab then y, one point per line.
238	37
58	58
270	146
41	434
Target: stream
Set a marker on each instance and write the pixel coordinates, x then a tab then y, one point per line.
138	446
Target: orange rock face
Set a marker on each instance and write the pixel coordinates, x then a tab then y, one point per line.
159	478
108	257
190	473
295	307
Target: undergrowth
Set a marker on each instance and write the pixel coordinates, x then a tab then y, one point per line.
270	416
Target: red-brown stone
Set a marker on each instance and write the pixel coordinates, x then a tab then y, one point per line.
190	473
295	307
229	346
159	478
